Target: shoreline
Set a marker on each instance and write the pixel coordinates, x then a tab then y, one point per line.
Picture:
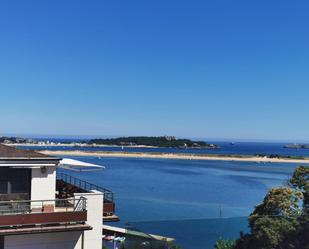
208	157
81	145
77	145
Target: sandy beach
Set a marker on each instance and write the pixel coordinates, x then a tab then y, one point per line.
247	158
81	145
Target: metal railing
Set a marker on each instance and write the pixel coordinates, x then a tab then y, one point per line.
86	186
43	206
81	204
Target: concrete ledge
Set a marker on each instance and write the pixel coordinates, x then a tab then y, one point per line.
45	229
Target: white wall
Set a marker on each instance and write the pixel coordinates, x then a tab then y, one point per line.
43	184
64	240
93	238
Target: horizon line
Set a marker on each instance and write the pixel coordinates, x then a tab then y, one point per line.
209	139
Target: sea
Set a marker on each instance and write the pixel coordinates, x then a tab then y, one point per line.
195	202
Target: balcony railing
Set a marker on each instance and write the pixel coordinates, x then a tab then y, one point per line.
86	186
14	196
30	212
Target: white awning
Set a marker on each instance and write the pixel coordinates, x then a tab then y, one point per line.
77	165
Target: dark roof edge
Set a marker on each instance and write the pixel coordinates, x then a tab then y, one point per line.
30	158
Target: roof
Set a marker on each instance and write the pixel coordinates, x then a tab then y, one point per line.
9	152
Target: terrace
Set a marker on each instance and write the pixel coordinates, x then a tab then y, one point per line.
68	185
28	216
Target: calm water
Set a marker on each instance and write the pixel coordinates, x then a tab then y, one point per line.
241	148
185	199
195	202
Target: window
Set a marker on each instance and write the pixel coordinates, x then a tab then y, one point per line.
3	187
15	180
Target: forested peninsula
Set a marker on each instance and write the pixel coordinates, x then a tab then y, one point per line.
163	141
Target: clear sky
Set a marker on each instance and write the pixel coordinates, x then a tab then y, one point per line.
213	69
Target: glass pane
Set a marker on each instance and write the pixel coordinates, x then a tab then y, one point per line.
3	187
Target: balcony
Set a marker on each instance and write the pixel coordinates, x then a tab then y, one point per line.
68	185
29	216
14	196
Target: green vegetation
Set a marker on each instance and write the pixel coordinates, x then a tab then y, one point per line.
279	156
225	244
281	221
167	141
175	247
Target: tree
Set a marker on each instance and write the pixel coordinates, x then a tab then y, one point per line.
279	202
298	238
225	244
281	221
300	181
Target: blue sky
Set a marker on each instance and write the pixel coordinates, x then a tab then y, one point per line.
212	69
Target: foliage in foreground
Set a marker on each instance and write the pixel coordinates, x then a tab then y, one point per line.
281	221
175	247
225	244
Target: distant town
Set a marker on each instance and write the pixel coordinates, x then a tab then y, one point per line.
151	141
296	146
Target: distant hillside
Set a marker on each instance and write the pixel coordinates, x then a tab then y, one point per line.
166	141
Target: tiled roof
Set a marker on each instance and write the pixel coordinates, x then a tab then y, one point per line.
12	153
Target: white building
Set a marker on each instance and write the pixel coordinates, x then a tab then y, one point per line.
34	214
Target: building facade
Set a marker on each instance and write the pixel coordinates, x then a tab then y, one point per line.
32	212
